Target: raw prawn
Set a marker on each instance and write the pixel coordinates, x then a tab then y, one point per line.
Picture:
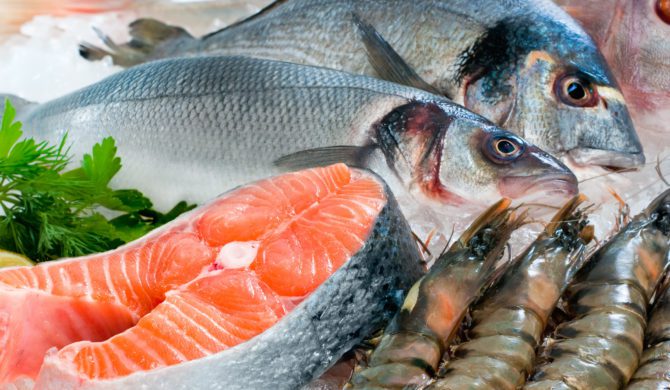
413	344
599	347
509	322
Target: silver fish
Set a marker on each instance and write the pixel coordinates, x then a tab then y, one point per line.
524	64
191	128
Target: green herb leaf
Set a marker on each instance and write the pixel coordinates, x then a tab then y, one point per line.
10	131
50	214
101	165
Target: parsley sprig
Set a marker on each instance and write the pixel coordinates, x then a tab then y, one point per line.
49	213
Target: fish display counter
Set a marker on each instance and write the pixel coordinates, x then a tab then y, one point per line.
330	194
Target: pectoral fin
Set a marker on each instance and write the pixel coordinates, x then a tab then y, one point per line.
388	64
354	156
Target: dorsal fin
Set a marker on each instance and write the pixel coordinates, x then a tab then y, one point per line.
268	8
388	64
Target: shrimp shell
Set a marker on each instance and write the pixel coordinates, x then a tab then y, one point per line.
599	347
509	321
412	345
654	369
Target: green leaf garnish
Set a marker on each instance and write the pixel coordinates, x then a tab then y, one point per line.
51	213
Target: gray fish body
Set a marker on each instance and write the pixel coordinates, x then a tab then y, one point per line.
510	61
196	128
193	128
356	300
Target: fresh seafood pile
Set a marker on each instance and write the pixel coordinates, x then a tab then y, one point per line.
596	344
331	145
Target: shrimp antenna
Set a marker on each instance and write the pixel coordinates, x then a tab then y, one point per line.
658	171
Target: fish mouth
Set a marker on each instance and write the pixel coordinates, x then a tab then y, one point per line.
607	159
557	184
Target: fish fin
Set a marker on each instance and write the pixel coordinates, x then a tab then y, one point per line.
146	35
351	155
268	8
388	64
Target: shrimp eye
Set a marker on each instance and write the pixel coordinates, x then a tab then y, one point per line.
505	148
576	91
663	10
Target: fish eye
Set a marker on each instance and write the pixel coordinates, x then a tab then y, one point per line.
576	91
504	149
663	10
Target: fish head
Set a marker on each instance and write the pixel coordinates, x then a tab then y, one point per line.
455	156
554	88
633	37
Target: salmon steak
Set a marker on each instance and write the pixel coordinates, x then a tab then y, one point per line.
266	286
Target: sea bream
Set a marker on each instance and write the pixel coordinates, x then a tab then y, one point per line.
191	128
633	36
524	64
264	287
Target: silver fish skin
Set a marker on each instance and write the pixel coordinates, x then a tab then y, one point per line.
524	64
633	37
192	128
357	299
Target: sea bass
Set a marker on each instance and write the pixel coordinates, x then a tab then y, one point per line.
524	64
191	128
633	36
265	287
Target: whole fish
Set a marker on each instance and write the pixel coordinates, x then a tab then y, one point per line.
600	345
508	323
633	36
191	128
194	306
524	64
412	345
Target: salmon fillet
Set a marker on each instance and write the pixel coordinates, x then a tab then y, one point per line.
211	280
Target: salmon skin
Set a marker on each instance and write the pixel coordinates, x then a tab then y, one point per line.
265	287
191	128
524	64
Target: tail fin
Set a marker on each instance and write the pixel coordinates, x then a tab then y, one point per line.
147	36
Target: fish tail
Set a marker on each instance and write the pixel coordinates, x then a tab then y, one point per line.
147	35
